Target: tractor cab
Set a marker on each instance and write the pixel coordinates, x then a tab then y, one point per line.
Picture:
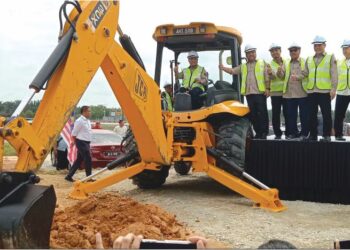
212	43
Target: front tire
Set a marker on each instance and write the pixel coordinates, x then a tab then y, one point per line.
147	179
182	167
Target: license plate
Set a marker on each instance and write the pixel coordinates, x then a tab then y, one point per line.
110	154
184	31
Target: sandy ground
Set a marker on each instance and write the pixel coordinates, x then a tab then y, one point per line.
218	213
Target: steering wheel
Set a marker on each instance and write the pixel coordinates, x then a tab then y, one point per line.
210	82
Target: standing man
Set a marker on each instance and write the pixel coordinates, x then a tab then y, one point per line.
121	129
167	97
294	93
194	78
256	88
81	137
276	75
343	96
321	69
60	152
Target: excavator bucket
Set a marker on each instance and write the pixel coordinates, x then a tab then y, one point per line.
26	211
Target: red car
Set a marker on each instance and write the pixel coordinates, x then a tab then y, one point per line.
105	147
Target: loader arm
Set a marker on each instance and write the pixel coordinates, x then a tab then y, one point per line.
93	47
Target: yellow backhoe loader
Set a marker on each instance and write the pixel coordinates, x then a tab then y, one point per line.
212	139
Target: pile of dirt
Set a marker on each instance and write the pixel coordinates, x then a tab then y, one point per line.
112	215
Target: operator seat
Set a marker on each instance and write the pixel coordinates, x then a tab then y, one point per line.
220	92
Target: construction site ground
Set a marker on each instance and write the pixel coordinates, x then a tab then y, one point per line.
201	206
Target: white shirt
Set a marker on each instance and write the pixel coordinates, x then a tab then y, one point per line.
121	131
82	129
61	145
347	90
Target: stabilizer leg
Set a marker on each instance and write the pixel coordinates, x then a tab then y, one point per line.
81	190
266	198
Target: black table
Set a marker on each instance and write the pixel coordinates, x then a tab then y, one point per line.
308	171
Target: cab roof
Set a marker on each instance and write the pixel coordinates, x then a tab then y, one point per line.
198	36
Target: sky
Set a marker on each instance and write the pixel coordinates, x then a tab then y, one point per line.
31	30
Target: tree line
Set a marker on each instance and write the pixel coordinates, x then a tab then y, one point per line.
97	112
7	109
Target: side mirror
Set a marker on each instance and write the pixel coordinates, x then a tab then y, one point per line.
229	60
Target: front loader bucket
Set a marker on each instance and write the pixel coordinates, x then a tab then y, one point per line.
26	211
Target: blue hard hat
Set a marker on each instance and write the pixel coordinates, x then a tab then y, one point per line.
319	40
346	44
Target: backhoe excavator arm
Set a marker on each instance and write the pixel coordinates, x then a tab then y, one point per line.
92	46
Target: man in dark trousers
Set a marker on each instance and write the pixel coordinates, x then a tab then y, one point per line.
256	87
81	137
321	70
343	93
275	72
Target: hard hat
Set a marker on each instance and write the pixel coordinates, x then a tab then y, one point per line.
166	85
249	47
319	40
346	44
274	46
294	45
192	54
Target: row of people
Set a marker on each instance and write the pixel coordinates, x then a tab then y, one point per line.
292	84
296	84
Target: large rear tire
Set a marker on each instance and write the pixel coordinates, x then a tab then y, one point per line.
233	140
147	179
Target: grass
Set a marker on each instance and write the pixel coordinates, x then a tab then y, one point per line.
9	150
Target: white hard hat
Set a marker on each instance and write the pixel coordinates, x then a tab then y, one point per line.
294	45
166	85
319	40
192	54
249	47
346	44
274	46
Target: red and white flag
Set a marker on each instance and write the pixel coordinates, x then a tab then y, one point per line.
67	137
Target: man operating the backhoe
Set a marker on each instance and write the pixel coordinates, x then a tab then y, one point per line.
194	78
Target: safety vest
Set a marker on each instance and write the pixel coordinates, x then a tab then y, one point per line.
191	76
320	75
343	75
169	101
287	75
259	75
277	83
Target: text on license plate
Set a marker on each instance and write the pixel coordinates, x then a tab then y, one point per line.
111	153
184	31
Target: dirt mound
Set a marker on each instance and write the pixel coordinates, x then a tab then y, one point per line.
112	215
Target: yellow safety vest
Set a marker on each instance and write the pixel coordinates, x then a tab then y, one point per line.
277	83
169	101
320	75
287	75
259	75
191	76
343	75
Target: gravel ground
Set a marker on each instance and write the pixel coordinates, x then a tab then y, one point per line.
218	213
